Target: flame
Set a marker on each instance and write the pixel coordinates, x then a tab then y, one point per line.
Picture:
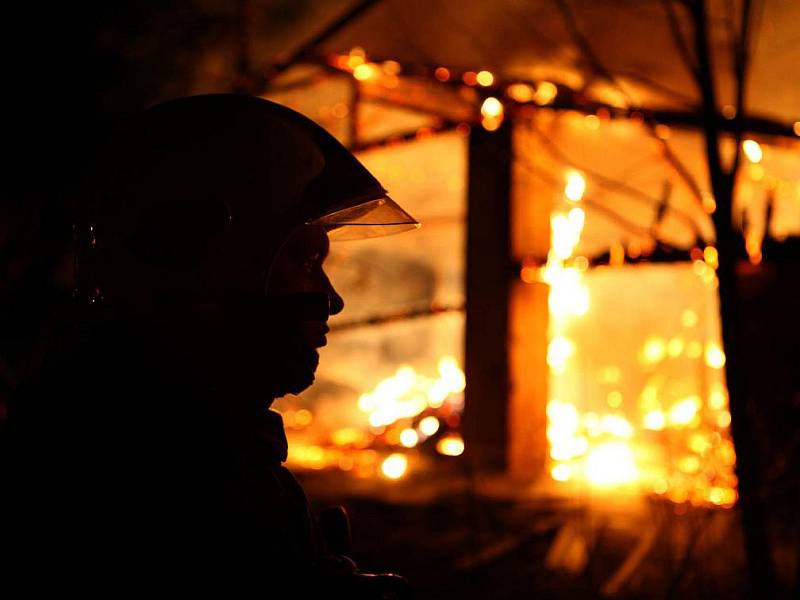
613	446
403	410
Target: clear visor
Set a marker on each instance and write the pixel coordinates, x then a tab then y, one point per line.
376	218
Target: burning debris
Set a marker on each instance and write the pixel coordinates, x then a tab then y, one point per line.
411	416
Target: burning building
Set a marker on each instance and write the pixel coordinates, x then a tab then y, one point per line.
557	319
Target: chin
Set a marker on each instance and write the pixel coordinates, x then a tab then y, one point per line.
294	387
297	374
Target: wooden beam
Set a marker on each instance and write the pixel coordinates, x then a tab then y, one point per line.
487	290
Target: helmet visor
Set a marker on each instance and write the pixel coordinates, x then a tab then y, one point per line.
375	218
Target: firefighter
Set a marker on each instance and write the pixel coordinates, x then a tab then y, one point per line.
147	450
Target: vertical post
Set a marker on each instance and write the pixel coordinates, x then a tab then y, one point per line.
487	290
529	316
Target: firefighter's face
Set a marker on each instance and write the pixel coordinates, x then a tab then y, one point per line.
299	268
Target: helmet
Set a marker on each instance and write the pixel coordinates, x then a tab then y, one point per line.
183	176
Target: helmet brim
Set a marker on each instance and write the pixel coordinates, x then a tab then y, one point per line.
377	217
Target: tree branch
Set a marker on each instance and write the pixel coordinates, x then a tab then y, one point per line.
677	38
586	49
312	44
614	185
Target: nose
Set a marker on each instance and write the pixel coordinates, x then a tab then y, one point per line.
336	301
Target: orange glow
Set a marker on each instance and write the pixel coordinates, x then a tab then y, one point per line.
796	128
709	204
429	425
492	107
575	186
366	71
340	110
711	256
394	466
753	247
662	131
652	440
724	419
546	92
442	74
715	357
561	472
356	58
675	347
654	350
685	412
559	351
752	150
409	438
520	92
655	420
451	445
492	113
470	78
611	463
592	122
391	67
755	172
484	78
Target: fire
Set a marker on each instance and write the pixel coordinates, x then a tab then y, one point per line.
403	411
611	463
674	445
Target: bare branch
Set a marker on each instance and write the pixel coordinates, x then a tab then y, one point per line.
586	49
609	213
678	39
312	44
614	185
741	63
677	166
